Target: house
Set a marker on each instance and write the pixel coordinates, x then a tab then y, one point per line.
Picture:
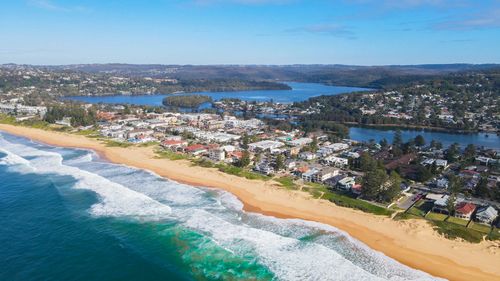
307	155
357	189
195	149
324	174
139	132
264	167
309	174
290	164
336	161
403	160
441	204
346	183
234	156
464	210
442	183
300	142
216	154
65	121
486	214
265	145
332	148
173	144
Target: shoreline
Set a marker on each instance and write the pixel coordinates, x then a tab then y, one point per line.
413	242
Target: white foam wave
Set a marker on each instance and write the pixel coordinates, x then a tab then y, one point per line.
289	258
115	199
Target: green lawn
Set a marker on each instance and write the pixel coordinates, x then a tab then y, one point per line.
453	231
457	221
345	200
436	217
241	172
480	227
495	234
416	212
167	154
112	143
288	183
406	216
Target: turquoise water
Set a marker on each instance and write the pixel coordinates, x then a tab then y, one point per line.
68	215
299	92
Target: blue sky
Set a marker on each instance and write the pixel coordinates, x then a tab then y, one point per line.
361	32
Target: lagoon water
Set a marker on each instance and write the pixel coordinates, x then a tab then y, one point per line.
299	92
490	140
69	215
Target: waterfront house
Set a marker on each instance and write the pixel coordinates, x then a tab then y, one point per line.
346	183
464	210
324	174
440	204
195	149
486	214
217	154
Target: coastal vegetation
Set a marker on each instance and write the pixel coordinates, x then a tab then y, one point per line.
187	101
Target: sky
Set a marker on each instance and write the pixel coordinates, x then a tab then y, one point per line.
355	32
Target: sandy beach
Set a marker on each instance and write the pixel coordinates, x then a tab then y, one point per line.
411	242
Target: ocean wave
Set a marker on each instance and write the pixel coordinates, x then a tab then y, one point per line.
115	200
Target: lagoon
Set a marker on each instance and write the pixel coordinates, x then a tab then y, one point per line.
478	139
299	92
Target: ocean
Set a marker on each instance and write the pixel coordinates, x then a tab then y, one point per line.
67	214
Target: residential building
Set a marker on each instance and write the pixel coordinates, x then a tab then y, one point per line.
464	210
486	214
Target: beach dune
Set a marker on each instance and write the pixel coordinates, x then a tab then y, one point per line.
411	242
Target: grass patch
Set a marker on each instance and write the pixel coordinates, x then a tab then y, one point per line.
113	143
480	227
88	133
436	217
7	119
406	216
457	221
240	172
202	162
167	154
148	144
288	183
494	234
345	200
454	231
416	212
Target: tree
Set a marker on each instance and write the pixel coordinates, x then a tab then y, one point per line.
419	141
366	162
383	143
372	183
280	162
423	174
436	144
455	184
245	159
470	151
397	141
393	189
482	188
450	204
244	141
314	145
452	152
